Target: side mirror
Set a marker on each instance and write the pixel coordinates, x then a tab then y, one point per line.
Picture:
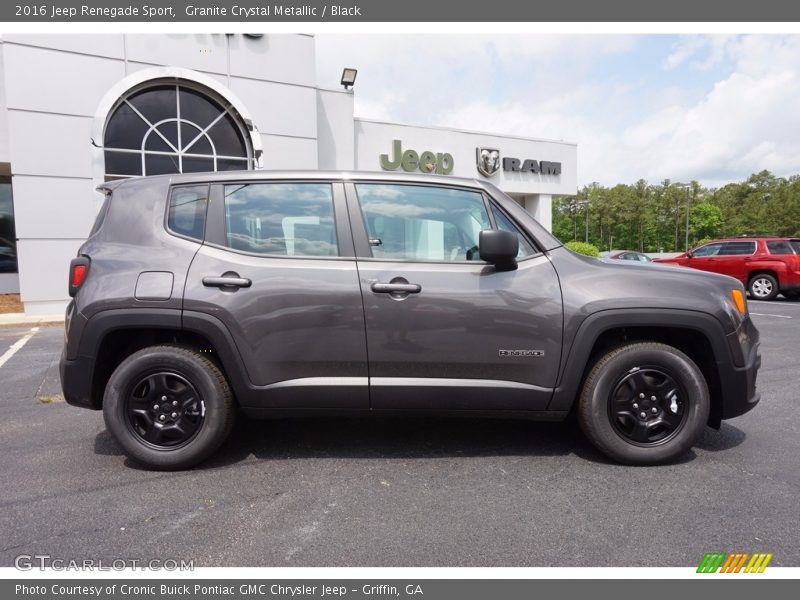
499	248
689	254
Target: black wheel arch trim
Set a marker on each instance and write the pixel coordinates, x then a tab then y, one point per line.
595	325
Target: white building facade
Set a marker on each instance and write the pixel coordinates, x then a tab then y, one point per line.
79	110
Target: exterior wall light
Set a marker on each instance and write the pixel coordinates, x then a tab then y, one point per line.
349	77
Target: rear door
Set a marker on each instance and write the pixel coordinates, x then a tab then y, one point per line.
444	329
733	258
278	269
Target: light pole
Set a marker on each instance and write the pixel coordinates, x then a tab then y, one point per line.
686	187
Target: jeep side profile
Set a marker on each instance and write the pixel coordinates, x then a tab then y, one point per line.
198	296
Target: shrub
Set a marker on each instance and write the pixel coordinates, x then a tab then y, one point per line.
583	248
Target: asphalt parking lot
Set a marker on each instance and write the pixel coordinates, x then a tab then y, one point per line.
410	492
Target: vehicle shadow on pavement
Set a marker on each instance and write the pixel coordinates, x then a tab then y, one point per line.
409	438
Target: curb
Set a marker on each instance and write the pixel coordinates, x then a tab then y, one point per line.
11	319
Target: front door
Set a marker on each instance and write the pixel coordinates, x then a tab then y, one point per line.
444	329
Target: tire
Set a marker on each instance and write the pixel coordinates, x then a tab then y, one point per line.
618	391
763	287
168	407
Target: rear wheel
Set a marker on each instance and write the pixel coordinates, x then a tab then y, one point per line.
644	403
763	287
168	407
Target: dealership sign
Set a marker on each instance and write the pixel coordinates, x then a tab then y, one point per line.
489	162
411	160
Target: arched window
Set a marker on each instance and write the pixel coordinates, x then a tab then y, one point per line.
174	128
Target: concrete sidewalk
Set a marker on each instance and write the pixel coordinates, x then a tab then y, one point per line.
23	319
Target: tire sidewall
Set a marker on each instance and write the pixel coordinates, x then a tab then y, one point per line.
679	366
213	429
772	281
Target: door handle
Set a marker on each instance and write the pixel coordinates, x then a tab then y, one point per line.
394	288
227	282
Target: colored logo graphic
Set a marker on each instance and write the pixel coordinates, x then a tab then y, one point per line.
734	562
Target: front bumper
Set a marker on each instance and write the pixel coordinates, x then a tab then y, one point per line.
739	394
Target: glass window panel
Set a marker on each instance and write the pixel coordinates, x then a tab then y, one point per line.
188	133
413	222
156	143
156	103
193	164
125	129
161	164
227	138
197	108
505	224
187	211
738	248
289	219
779	247
229	164
123	163
707	250
8	236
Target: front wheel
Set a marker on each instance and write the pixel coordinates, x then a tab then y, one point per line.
644	404
168	407
763	287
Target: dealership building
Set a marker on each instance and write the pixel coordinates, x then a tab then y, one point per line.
78	110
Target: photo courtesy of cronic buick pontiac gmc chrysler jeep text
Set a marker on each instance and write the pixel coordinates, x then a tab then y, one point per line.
198	296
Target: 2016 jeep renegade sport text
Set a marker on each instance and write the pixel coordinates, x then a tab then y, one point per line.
200	295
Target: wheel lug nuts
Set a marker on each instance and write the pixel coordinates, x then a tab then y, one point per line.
654	410
162	418
163	398
653	398
173	415
643	414
635	405
641	396
174	403
155	406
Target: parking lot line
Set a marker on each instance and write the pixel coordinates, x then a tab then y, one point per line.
16	346
771	315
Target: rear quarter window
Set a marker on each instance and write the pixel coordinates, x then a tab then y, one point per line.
187	211
779	247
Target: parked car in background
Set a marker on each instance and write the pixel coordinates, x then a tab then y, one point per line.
767	266
631	255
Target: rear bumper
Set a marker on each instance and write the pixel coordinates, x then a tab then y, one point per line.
76	381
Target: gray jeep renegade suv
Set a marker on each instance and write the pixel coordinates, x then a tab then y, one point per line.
200	295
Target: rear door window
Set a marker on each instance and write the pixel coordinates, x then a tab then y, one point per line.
738	248
281	219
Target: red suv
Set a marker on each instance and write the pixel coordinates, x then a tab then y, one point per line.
766	265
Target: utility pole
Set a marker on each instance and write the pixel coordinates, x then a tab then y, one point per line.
686	187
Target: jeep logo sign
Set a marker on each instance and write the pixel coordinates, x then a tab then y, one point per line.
427	161
488	163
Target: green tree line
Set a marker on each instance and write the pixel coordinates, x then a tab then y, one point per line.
652	218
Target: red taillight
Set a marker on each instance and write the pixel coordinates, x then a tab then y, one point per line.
78	269
78	275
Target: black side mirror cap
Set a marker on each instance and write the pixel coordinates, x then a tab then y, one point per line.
499	248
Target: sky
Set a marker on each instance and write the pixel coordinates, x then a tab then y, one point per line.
711	108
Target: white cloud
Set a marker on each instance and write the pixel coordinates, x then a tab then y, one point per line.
727	106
